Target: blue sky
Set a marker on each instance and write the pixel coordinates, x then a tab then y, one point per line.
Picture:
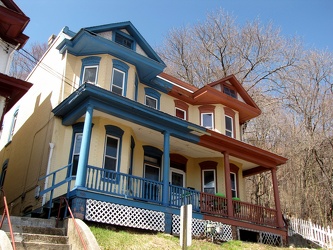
311	20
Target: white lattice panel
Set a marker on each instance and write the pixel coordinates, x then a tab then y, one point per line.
199	228
121	215
265	237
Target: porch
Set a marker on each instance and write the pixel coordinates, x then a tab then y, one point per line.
136	189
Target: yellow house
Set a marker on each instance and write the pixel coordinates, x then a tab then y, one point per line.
128	145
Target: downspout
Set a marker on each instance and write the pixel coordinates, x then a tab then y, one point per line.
48	170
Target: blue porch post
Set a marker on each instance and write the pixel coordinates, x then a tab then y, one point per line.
84	150
166	168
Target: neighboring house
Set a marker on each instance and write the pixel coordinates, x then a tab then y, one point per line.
128	144
12	24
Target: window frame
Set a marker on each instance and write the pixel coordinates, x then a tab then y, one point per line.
115	85
91	61
180	105
115	133
227	130
177	171
124	36
212	119
123	68
183	111
234	189
230	113
203	180
229	91
153	94
96	74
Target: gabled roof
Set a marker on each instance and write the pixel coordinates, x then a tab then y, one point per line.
12	23
88	42
247	108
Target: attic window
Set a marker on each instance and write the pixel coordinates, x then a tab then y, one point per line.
229	91
122	40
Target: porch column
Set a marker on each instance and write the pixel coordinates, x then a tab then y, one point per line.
84	150
228	184
166	168
277	198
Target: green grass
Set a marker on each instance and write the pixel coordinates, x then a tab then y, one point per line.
109	237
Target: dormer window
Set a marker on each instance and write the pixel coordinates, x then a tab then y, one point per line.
229	91
123	40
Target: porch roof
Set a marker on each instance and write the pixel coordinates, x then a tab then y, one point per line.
74	107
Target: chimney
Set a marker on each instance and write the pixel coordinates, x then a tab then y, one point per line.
51	39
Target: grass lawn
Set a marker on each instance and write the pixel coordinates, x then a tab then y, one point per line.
109	237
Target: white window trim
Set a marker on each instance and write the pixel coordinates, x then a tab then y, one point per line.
123	83
232	126
185	114
154	166
208	113
156	104
203	179
87	67
178	171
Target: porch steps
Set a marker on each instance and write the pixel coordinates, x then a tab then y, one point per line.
35	233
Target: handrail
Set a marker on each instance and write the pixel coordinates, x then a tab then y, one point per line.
6	212
75	223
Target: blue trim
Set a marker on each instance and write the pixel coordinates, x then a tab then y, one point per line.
153	93
136	85
89	61
84	151
117	64
152	151
166	168
73	107
147	67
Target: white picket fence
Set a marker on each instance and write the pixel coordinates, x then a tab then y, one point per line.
310	231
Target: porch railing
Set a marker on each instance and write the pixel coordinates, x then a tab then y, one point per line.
216	205
179	196
123	185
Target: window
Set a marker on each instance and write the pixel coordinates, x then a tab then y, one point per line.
181	113
208	181
3	173
207	120
233	178
12	129
229	126
207	116
90	74
89	70
152	98
122	40
229	91
76	152
112	148
119	77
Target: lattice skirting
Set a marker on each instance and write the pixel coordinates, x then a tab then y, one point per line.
199	228
265	237
121	215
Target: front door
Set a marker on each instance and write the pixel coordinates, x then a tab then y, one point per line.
177	180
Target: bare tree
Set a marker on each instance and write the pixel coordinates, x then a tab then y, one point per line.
25	60
293	88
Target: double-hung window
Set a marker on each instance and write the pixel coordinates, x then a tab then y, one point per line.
90	74
76	152
152	98
112	152
119	77
207	120
233	179
208	181
229	126
118	81
181	113
89	71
